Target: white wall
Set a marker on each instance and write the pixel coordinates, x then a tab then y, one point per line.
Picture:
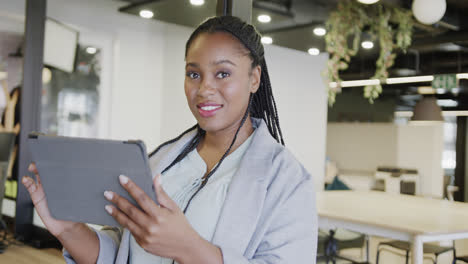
420	146
302	105
176	116
364	147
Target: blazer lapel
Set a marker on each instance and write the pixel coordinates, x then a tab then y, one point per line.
244	200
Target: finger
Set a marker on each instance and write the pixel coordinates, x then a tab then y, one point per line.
38	198
132	212
124	220
30	184
35	191
163	198
145	202
32	168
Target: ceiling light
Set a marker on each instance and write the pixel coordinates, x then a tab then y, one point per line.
427	110
146	14
412	79
264	18
455	113
429	12
360	83
444	113
426	90
314	51
320	31
398	80
91	50
447	103
267	40
197	2
462	75
367	44
368	2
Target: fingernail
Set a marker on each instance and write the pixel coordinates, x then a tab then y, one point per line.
30	167
25	180
108	195
123	179
108	209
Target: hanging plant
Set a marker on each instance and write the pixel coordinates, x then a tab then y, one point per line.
348	23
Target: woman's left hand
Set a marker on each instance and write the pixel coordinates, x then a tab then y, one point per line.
161	230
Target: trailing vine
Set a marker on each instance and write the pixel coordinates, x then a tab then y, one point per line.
348	22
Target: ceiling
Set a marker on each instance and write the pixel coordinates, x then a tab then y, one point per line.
436	49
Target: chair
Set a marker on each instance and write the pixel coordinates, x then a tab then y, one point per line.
329	244
406	246
462	258
331	241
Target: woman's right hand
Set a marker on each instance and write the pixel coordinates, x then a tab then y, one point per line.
55	227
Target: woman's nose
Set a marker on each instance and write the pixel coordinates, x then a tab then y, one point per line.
207	87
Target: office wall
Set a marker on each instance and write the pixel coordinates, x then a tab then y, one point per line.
364	147
175	113
302	105
420	146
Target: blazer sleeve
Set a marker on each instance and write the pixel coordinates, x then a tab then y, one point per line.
109	242
292	235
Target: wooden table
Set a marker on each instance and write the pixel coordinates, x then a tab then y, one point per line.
403	217
27	255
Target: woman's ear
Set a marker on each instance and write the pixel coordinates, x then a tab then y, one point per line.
255	78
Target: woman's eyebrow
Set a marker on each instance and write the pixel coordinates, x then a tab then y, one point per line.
196	65
192	64
223	61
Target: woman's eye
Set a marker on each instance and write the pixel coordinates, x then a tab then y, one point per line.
222	75
193	75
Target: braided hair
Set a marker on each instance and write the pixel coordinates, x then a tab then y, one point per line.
261	104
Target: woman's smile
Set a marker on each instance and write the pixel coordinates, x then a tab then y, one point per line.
208	109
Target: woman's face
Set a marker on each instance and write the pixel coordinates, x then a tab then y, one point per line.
218	81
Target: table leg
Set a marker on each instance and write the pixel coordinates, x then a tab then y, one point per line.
417	249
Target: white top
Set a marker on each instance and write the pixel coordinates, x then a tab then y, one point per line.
181	182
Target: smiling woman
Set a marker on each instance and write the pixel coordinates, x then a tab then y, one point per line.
228	190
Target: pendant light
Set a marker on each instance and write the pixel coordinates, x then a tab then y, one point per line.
427	110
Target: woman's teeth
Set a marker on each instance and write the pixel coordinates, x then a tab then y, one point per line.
209	108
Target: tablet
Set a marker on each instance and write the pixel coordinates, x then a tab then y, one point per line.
75	172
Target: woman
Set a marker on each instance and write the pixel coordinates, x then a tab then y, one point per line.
228	193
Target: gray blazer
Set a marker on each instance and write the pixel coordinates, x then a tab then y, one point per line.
269	215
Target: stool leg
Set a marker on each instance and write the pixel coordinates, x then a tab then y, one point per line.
367	248
378	254
407	257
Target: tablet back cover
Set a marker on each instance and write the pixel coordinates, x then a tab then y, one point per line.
75	172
